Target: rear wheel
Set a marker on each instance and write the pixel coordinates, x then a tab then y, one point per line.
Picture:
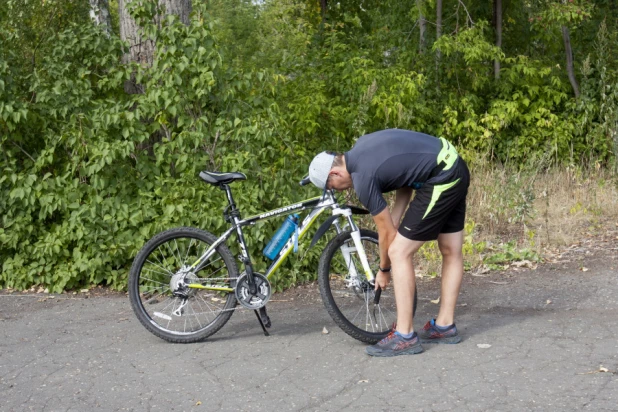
349	299
158	292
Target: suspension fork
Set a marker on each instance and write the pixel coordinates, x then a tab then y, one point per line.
356	238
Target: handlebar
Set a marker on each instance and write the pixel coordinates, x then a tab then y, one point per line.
305	181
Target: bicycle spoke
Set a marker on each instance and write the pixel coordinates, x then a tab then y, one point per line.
353	295
162	265
169	248
156	271
155	281
184	311
188	250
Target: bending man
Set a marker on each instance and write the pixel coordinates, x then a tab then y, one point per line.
404	161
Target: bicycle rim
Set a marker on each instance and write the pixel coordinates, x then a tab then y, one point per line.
196	313
349	299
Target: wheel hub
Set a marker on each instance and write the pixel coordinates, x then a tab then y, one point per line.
360	287
179	282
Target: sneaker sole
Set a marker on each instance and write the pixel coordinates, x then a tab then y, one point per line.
448	341
409	351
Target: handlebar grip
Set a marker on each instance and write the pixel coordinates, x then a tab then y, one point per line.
376	298
305	181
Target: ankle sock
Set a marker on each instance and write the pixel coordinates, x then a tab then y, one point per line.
440	328
406	336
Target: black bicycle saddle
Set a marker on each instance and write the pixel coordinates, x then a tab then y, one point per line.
220	178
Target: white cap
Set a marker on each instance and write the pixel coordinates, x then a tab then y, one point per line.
320	168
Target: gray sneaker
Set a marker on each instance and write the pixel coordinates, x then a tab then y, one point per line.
431	334
395	345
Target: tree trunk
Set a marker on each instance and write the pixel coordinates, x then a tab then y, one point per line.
181	8
438	26
422	24
569	60
498	27
99	13
438	34
142	50
323	8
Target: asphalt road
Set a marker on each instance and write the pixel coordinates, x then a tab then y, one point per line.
552	331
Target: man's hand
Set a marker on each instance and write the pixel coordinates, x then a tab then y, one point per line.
382	280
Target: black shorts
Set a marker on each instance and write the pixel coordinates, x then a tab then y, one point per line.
438	207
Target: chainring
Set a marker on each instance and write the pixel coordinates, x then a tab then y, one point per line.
246	299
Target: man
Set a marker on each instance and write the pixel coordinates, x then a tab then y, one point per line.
404	161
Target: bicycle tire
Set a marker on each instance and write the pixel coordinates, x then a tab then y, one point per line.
342	305
150	292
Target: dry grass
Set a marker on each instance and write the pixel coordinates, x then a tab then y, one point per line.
522	214
526	213
547	209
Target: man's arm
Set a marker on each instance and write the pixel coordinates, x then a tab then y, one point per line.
386	234
402	199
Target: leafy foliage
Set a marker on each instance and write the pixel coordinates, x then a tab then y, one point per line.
89	172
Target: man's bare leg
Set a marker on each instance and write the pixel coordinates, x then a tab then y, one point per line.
450	245
400	253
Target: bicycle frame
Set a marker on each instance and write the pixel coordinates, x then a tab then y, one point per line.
317	204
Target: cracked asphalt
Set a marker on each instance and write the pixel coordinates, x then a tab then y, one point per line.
552	331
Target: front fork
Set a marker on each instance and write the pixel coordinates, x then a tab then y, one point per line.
358	245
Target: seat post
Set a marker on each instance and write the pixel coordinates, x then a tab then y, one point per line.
230	198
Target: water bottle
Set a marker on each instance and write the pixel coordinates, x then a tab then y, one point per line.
282	235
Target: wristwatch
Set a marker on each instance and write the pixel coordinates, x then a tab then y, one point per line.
387	270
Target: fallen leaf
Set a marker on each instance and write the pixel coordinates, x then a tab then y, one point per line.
548	302
481	271
324	331
483	345
601	369
84	291
436	301
198	403
584	269
522	263
364	381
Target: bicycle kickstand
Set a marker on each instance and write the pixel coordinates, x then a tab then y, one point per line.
264	326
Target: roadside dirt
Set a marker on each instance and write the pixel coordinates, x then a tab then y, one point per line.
593	251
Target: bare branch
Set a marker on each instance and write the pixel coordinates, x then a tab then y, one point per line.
22	149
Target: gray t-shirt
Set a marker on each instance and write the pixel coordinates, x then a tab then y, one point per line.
391	159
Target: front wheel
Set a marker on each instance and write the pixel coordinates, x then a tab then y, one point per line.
346	293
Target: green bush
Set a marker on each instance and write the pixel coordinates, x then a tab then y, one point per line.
89	172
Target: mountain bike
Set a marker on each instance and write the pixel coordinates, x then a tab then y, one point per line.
184	283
